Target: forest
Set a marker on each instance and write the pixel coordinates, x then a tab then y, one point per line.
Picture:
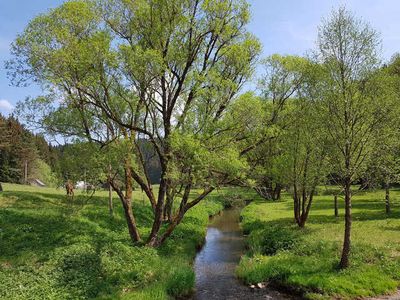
169	114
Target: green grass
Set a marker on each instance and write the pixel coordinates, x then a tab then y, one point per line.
307	260
51	248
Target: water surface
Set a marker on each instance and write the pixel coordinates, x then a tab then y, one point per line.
215	264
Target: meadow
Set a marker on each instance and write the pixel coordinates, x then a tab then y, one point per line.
305	261
53	248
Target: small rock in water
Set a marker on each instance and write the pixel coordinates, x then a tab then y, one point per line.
261	285
252	286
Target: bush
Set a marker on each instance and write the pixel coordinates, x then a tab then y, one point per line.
269	241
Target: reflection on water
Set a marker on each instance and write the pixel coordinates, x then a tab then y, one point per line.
215	264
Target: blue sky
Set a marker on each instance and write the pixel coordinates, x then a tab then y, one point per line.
283	26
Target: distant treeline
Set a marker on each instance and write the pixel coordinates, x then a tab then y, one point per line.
25	156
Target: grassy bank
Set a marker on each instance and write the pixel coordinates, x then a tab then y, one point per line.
306	260
51	248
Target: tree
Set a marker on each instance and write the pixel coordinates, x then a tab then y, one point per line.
305	157
353	110
166	71
383	167
306	143
280	82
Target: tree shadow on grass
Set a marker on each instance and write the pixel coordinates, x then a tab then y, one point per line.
28	200
34	232
40	232
363	210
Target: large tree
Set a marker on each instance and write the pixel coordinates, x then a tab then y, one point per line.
118	72
353	109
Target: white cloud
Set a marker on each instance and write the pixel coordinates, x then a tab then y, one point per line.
6	105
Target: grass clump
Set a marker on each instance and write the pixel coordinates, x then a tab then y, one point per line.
181	282
307	260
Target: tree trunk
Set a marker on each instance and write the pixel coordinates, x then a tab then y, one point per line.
264	192
158	213
302	217
127	203
387	199
344	261
1	187
296	208
364	184
302	222
169	206
126	200
171	227
127	206
164	182
183	208
110	200
277	192
25	172
336	206
133	231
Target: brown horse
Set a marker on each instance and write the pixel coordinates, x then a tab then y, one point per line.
70	189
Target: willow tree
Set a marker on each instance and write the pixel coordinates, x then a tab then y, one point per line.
353	109
119	71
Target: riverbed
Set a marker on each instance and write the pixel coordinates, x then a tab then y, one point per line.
216	262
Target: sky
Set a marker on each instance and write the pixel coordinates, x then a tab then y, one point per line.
283	26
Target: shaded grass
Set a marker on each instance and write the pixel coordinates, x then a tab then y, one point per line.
52	248
307	260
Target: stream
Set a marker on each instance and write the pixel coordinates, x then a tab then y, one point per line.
215	264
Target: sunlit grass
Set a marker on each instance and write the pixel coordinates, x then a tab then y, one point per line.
310	263
54	248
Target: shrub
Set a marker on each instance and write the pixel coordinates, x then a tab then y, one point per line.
268	241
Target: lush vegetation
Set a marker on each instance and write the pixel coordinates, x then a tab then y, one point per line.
52	248
149	94
305	260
